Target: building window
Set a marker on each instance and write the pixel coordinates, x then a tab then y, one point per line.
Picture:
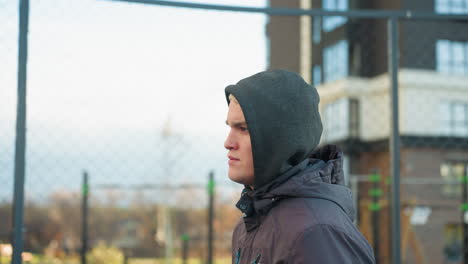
354	118
341	120
346	169
335	61
330	23
336	120
454	119
317	75
451	173
451	6
452	57
317	34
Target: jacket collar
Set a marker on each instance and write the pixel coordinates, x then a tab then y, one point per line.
255	204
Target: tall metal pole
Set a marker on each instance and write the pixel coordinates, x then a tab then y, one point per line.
375	192
185	249
393	64
464	208
84	215
20	147
211	190
169	257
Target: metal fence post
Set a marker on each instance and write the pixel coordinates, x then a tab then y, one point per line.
20	147
185	248
375	192
211	190
464	210
393	64
84	215
354	185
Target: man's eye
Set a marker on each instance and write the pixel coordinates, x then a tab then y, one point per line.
243	129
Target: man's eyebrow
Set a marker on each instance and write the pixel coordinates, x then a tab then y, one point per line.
237	124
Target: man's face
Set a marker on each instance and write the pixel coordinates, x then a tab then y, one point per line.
241	168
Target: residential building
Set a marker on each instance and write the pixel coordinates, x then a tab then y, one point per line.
346	59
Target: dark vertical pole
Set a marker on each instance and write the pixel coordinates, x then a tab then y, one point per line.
393	64
354	185
464	223
211	190
20	147
84	221
185	241
375	192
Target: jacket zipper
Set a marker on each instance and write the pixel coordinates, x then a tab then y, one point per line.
238	256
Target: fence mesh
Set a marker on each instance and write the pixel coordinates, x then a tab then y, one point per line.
350	67
132	95
8	71
117	90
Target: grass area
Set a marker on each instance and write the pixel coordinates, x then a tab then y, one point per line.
42	260
177	261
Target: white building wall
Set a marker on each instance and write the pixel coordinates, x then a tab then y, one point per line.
374	116
420	95
423	92
306	42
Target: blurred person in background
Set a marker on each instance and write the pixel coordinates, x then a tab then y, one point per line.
295	206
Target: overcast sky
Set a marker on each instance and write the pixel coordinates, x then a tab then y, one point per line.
103	79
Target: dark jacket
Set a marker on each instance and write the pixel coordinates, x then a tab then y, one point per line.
306	219
298	211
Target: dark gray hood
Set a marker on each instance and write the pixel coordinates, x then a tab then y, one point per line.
281	111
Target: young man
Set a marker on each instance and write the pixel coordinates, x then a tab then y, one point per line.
296	208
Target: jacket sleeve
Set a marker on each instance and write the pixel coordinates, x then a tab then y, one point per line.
325	244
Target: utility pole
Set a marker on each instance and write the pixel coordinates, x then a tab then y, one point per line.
84	220
394	142
464	215
168	238
375	192
20	144
185	240
211	192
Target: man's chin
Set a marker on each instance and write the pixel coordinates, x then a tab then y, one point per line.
240	180
236	179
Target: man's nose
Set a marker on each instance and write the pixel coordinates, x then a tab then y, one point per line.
230	142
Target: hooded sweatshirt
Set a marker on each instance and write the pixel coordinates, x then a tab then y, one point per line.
298	211
281	111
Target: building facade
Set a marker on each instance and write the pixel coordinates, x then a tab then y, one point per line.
346	59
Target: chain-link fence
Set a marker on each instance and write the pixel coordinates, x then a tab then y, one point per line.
434	133
348	59
129	94
132	95
433	94
433	99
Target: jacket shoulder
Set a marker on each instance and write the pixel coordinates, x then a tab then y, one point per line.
304	213
318	228
325	243
287	221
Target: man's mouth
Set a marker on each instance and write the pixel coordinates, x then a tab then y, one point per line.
232	160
